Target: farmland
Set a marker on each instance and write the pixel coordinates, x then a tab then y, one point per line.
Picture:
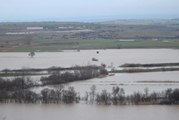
58	36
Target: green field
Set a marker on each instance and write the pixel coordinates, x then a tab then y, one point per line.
100	44
58	36
118	44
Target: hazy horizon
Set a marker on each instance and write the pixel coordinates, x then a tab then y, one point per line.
86	11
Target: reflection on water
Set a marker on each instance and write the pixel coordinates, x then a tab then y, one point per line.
87	112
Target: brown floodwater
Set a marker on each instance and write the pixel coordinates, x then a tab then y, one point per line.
96	112
87	112
114	57
130	82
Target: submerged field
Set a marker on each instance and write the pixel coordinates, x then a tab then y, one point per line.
113	59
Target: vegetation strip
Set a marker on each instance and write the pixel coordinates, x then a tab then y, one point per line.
48	71
55	77
43	71
116	97
138	70
18	90
150	65
157	81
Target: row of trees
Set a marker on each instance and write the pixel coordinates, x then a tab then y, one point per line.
18	90
56	77
47	96
59	95
16	83
47	71
116	97
74	75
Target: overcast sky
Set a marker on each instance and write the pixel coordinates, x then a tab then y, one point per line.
84	10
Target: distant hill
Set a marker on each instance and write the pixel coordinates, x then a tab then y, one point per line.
143	22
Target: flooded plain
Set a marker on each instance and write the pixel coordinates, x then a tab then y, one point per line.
130	82
110	57
113	58
155	81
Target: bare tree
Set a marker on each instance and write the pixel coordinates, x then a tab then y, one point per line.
32	54
92	93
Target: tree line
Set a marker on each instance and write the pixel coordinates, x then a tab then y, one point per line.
47	96
40	71
17	89
69	95
71	76
118	97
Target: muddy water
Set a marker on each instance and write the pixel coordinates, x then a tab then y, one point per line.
95	112
87	112
154	81
112	57
131	82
